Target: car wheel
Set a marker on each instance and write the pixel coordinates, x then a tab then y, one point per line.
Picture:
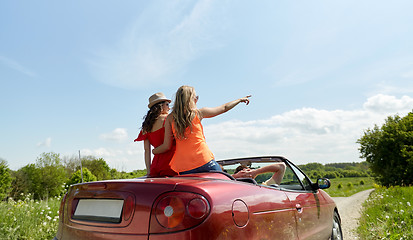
336	233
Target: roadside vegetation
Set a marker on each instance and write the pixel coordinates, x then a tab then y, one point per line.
29	219
30	197
388	214
388	149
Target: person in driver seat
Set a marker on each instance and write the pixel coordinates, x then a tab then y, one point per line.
278	169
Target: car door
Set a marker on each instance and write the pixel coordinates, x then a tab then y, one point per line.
310	217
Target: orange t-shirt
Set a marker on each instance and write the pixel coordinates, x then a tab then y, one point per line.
191	152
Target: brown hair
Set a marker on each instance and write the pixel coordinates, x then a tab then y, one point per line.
184	110
151	116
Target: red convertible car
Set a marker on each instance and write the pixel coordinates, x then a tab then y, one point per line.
202	206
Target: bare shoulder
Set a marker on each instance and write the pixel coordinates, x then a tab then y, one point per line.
159	123
169	118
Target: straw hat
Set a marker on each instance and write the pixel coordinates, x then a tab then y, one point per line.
156	98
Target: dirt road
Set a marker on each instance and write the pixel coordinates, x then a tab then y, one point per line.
349	209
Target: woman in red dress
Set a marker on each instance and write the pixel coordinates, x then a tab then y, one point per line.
152	133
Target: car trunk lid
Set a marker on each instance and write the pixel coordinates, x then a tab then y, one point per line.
113	207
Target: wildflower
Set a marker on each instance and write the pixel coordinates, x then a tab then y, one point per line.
44	223
387	217
408	204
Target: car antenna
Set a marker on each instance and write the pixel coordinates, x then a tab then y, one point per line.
81	169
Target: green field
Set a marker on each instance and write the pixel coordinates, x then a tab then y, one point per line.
345	187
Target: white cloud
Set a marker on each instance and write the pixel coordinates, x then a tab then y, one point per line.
46	143
119	134
305	135
127	158
385	103
16	66
180	32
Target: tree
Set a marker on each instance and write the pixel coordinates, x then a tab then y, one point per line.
97	166
5	179
19	185
26	180
389	150
53	174
44	179
312	166
77	177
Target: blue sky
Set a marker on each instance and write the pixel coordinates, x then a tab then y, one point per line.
77	75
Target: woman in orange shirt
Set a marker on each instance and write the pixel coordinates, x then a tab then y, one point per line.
192	154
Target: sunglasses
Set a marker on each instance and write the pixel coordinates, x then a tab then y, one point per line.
162	103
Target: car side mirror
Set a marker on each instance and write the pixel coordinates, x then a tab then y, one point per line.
323	183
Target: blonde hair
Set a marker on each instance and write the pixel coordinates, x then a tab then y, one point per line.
184	110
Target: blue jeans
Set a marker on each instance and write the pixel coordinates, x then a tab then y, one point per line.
211	166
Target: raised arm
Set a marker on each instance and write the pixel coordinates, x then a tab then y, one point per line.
168	138
275	168
215	111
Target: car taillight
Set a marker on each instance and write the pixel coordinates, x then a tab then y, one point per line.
197	208
170	211
177	211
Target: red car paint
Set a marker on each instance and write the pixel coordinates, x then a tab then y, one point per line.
198	206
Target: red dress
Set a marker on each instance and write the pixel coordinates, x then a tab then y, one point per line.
160	163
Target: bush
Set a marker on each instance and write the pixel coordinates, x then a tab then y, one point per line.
389	150
77	177
330	175
5	179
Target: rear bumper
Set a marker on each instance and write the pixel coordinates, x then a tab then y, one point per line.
87	235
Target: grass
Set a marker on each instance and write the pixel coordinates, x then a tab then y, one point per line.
388	214
345	187
29	219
